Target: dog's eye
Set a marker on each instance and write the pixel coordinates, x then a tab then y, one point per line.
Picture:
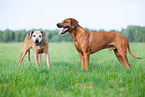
34	35
39	35
65	22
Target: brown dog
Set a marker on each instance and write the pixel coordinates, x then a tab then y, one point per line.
88	42
36	40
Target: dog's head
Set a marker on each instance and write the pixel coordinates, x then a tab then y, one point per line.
37	36
67	25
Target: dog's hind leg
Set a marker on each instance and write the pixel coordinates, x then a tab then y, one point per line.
119	57
121	51
125	60
23	53
122	57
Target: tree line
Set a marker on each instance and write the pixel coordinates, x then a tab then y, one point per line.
133	34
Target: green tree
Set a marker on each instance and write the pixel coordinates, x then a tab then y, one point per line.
1	35
6	35
134	33
101	30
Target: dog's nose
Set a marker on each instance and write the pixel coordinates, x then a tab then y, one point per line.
58	25
36	41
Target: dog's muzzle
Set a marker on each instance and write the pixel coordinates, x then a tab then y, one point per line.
58	25
64	29
37	42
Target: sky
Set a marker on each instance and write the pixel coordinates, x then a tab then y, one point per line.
93	14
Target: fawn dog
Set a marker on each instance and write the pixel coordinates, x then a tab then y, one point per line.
36	40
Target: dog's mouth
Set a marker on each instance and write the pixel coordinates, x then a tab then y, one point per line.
36	44
64	30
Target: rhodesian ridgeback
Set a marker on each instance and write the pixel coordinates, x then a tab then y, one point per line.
89	42
36	40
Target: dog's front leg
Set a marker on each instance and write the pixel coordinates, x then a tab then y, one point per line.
86	60
36	59
39	58
82	60
47	59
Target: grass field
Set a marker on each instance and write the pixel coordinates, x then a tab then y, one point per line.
106	77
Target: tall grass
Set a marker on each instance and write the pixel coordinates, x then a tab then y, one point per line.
105	77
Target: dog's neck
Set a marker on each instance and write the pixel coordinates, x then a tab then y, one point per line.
77	32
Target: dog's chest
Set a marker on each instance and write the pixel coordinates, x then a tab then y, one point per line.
39	49
78	46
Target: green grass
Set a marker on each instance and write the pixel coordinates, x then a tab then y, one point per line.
105	77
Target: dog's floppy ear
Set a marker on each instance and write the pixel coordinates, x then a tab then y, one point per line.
74	23
43	33
30	34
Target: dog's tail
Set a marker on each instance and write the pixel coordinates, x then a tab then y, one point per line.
29	54
131	53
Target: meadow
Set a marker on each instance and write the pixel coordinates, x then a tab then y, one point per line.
106	77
